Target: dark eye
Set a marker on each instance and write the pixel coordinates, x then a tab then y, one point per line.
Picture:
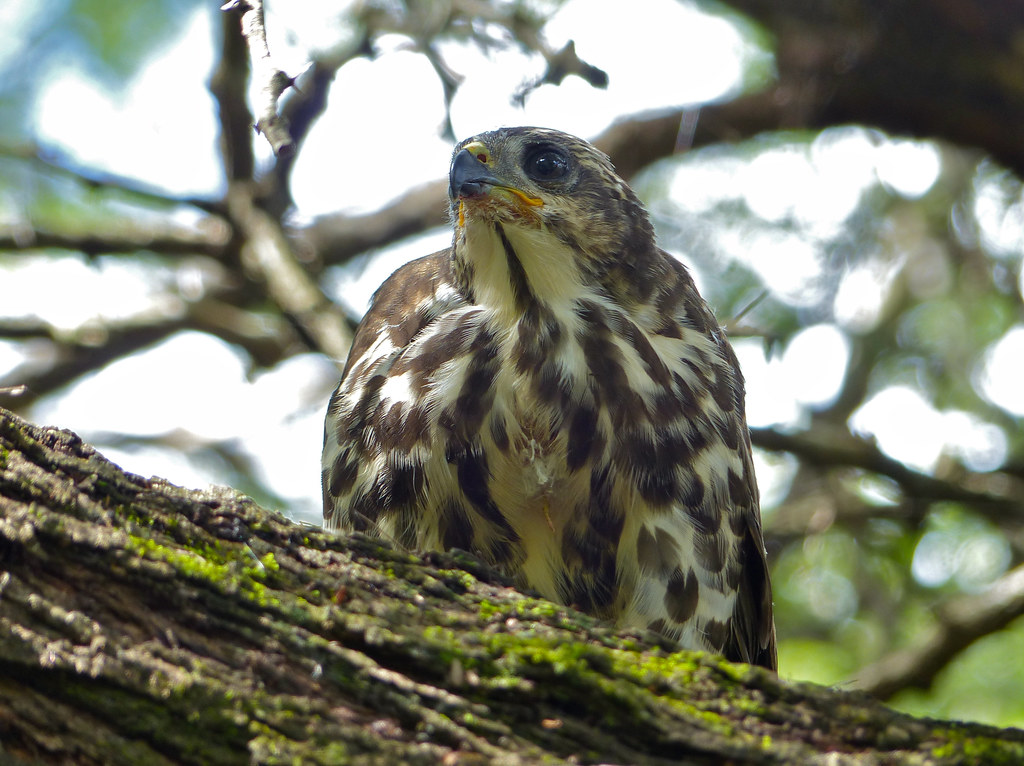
546	164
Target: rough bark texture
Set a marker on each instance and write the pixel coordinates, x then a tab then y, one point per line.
144	623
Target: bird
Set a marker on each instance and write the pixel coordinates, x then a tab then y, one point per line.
552	394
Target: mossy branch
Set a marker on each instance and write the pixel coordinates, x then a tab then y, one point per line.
144	623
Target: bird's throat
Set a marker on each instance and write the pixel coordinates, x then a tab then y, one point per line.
508	268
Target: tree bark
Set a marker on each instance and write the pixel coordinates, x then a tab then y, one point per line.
145	623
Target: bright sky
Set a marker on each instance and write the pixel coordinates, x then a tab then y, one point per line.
355	161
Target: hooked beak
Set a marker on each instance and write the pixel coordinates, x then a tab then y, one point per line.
469	177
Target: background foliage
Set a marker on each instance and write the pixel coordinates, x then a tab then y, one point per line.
878	315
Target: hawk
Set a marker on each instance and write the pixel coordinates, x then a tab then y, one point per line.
552	393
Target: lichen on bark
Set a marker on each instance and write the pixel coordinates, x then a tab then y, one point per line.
144	623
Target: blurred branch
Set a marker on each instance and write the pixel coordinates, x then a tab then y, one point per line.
170	241
304	105
962	621
271	81
86	354
229	84
339	238
52	160
268	256
935	70
633	144
96	344
834	447
561	64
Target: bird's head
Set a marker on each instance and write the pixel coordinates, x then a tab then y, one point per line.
541	195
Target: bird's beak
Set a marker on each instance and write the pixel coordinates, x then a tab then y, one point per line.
469	177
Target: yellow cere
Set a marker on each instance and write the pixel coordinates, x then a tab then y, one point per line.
478	150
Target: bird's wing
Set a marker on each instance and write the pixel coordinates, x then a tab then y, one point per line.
401	308
706	577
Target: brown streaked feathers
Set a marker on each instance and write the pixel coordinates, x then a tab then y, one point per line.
552	394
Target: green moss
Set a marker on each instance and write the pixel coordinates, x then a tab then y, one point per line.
963	748
646	669
457	578
487	610
270	562
210	564
535	609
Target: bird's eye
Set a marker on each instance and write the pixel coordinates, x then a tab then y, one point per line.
546	164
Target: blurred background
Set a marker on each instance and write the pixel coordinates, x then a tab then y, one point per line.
843	181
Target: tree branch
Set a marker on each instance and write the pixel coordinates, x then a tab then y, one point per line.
839	448
961	622
97	344
268	256
934	70
229	85
125	239
51	160
271	81
74	359
128	606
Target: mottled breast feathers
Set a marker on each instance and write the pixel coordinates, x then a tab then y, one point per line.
552	394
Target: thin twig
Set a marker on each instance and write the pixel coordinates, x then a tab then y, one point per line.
271	80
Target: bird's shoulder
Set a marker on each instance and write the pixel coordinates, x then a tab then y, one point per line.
404	304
